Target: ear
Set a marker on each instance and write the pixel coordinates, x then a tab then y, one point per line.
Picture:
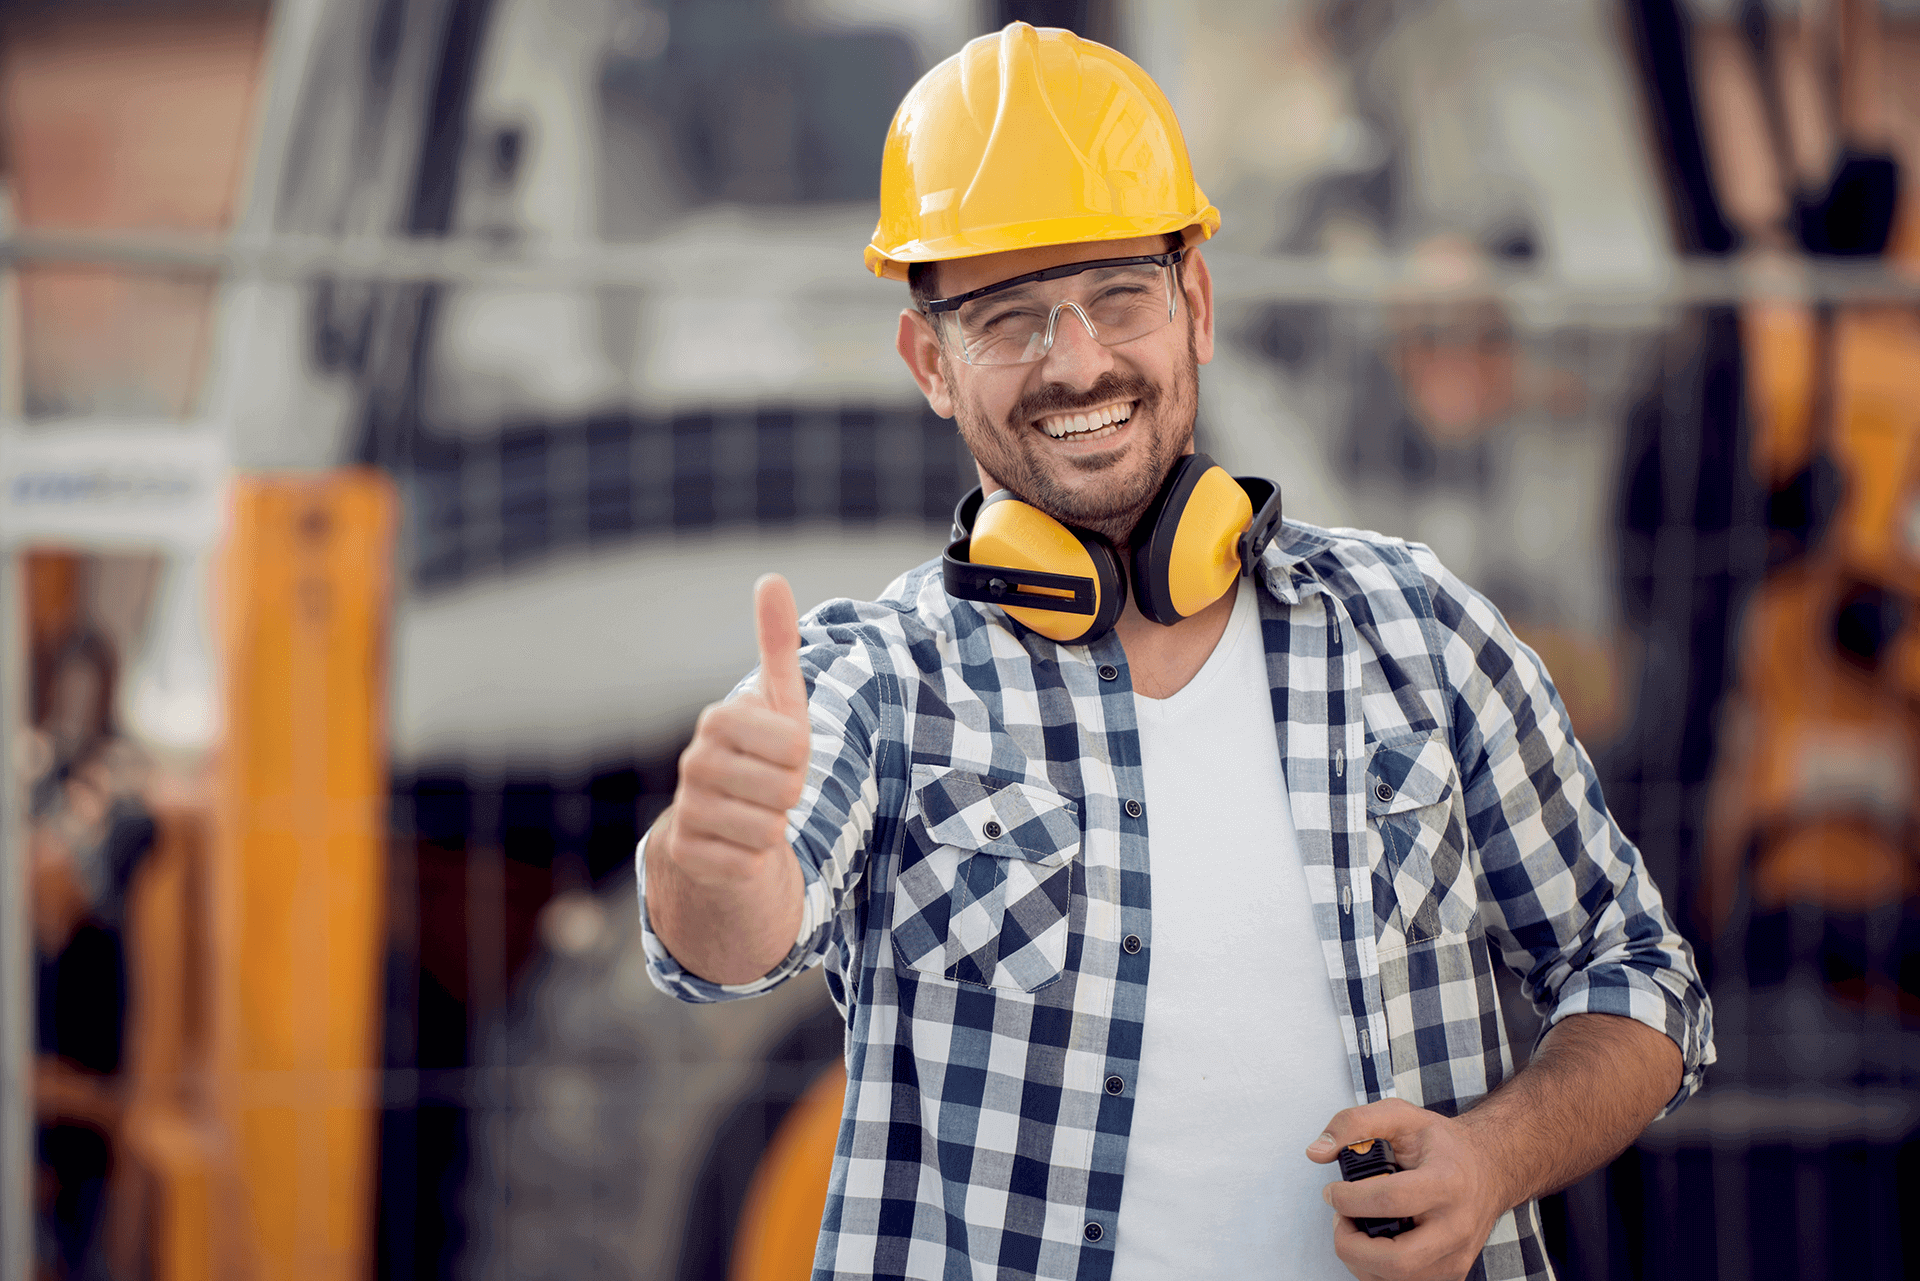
919	346
1197	284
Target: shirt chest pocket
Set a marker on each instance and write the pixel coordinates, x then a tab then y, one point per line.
1423	884
984	884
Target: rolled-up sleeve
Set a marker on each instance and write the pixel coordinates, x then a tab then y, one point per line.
1564	894
831	829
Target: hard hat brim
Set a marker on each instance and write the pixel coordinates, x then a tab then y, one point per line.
892	263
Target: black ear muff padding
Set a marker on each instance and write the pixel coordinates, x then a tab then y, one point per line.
1159	585
1153	539
963	513
1113	587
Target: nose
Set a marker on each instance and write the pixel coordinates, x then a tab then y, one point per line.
1074	357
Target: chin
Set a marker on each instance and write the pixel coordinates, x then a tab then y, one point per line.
1111	496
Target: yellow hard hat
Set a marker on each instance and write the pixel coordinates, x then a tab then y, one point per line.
1032	137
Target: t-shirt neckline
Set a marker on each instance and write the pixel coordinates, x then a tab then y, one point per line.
1245	611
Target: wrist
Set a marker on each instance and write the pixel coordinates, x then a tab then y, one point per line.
1485	1129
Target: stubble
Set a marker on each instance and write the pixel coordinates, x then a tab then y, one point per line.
1015	454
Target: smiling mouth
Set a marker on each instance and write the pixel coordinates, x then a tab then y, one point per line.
1089	424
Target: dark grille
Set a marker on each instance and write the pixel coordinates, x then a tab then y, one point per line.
490	504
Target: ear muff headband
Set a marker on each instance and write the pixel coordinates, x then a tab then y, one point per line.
1008	550
1186	548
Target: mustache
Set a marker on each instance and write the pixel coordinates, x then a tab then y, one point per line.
1057	398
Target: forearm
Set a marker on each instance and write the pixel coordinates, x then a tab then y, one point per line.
1589	1091
731	923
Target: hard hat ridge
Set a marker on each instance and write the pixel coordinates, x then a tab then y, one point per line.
1029	162
1081	146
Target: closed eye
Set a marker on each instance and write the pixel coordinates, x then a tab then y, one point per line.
1009	316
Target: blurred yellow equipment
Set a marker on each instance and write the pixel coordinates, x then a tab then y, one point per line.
780	1221
1032	137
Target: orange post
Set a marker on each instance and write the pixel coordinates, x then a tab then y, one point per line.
300	910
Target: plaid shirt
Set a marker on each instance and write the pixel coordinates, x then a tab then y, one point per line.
975	846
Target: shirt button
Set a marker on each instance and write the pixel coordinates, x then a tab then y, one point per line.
1132	943
992	830
1115	1085
1093	1232
1108	672
1133	809
1384	792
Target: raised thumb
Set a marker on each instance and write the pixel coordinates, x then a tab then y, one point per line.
777	624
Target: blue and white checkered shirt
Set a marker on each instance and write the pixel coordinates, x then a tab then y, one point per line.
975	845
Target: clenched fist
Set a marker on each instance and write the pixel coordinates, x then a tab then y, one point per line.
723	886
1446	1184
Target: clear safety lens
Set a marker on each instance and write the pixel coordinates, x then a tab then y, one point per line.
1016	326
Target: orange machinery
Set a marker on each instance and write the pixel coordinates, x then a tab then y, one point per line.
1814	800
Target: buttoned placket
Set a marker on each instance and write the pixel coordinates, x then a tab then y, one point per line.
1357	994
1356	881
1129	818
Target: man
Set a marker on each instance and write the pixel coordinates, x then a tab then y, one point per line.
1121	926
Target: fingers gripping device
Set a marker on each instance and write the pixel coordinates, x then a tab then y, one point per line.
1369	1159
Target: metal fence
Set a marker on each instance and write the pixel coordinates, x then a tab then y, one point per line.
1585	456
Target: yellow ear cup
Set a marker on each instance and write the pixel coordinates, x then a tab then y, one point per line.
1011	533
1186	546
1206	550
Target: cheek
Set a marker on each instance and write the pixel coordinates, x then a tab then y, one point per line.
982	412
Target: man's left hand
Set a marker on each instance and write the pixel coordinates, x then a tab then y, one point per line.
1450	1184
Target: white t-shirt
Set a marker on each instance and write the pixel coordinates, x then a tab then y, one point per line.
1242	1060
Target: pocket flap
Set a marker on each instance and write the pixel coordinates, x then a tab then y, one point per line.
1409	773
995	815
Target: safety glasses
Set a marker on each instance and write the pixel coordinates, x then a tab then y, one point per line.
1013	322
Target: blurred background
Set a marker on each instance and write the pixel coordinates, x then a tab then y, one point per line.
400	396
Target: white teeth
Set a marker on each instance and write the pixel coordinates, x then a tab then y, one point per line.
1074	424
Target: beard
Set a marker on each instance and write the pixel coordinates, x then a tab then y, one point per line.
1016	453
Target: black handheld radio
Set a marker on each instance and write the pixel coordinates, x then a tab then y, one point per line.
1365	1160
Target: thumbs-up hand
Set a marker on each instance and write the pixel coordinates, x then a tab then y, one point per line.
747	764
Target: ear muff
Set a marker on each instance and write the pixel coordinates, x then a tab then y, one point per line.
1202	528
1006	550
1189	544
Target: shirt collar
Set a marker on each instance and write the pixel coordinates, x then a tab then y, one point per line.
1286	566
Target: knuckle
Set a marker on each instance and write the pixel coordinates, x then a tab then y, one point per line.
698	768
697	824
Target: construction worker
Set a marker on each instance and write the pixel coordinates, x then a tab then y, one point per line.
1156	849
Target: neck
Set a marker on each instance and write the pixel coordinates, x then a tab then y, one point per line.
1161	660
